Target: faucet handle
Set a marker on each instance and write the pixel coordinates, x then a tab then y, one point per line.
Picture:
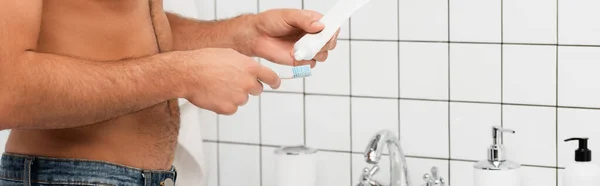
434	173
367	177
433	178
370	172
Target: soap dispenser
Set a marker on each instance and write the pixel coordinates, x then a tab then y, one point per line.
582	172
497	170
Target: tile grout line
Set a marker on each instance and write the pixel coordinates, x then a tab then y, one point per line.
350	92
473	42
399	77
556	96
442	100
218	148
360	153
502	64
304	97
260	149
449	98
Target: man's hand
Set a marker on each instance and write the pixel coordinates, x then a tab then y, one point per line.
220	80
276	32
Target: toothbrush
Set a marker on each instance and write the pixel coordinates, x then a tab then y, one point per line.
297	72
308	46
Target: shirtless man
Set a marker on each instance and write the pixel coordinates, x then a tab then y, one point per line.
89	87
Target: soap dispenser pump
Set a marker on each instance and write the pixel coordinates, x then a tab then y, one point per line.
582	172
497	170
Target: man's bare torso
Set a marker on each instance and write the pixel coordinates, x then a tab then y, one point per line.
107	31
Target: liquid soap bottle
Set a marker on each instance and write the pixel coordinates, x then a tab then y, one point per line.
582	172
497	170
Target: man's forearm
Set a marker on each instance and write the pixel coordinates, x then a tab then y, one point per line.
189	34
45	91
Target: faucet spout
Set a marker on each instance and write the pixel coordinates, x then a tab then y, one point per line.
374	151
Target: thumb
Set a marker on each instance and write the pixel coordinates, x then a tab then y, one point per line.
306	20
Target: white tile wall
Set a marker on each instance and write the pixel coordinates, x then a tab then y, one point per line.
530	21
537	176
271	4
334	73
475	73
461	173
438	72
208	124
243	126
374	68
239	165
212	163
524	146
520	86
224	8
328	122
268	166
282	119
576	22
385	28
476	20
465	119
432	24
334	169
369	116
577	76
424	117
423	70
560	179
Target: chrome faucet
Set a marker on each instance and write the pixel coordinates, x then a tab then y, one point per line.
397	160
433	178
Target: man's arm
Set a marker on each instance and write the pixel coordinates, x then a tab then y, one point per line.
44	91
190	34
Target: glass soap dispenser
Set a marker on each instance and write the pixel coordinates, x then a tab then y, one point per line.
497	170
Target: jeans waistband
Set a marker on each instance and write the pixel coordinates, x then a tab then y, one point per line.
45	170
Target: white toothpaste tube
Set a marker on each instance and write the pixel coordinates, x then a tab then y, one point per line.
308	46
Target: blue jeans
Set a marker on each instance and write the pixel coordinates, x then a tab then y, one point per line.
21	170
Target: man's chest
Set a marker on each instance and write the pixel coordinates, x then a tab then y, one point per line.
104	30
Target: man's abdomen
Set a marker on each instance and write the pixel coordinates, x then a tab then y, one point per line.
106	31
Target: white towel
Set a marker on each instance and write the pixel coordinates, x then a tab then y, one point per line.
189	155
3	138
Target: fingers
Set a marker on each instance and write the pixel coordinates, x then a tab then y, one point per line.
332	43
269	77
226	109
324	53
257	89
322	56
312	63
306	20
241	99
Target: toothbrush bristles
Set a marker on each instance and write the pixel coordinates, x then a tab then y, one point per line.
301	71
